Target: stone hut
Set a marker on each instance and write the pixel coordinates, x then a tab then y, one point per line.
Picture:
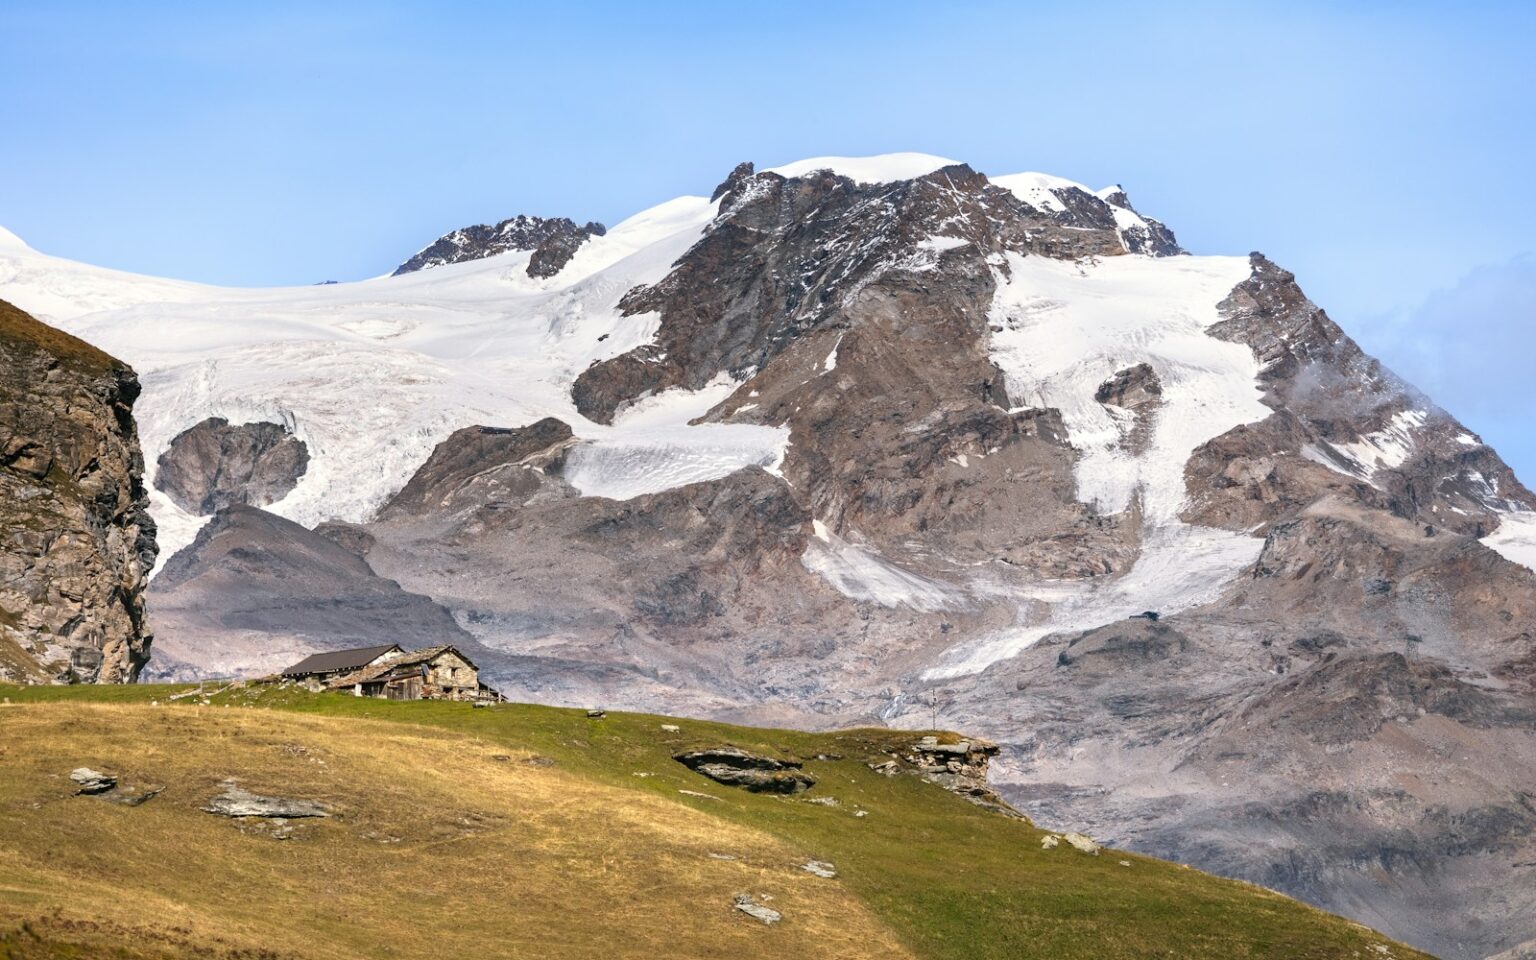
436	673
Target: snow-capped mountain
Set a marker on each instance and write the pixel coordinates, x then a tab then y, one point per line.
886	439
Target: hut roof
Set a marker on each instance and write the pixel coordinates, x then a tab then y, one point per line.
353	659
411	659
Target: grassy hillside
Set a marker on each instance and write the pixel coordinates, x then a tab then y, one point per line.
534	832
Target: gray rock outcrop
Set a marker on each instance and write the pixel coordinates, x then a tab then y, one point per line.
756	774
213	465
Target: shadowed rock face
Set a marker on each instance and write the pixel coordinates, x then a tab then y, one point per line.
78	540
469	454
214	465
553	241
260	593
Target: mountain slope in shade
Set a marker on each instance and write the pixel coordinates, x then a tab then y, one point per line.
888	440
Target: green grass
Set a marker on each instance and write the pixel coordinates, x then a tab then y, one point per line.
947	879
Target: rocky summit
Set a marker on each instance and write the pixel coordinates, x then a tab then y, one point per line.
551	243
890	441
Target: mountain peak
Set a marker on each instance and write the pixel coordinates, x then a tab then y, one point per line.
882	168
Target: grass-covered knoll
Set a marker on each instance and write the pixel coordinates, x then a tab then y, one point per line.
451	844
19	330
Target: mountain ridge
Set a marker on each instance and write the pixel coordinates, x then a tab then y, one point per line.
915	443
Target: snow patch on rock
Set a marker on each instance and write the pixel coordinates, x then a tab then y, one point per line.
1515	540
886	168
1068	327
861	574
652	447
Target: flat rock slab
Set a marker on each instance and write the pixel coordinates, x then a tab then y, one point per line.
92	782
756	774
819	868
747	905
236	801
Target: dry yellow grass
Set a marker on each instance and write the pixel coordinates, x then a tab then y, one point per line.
439	850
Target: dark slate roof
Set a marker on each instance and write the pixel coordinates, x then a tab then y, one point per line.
415	657
339	660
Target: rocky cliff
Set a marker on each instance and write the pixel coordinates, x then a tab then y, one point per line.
79	542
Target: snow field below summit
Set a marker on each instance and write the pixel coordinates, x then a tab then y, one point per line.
651	447
1069	327
1180	566
1066	328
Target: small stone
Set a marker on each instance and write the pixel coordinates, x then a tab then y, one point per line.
128	798
671	728
755	910
819	868
824	801
596	714
695	793
1125	863
1050	842
861	813
92	782
721	856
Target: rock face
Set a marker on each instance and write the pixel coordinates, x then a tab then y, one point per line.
214	465
553	242
79	542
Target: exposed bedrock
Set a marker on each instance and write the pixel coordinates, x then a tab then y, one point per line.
552	240
78	540
215	464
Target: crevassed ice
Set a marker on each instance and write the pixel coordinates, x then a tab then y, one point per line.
372	375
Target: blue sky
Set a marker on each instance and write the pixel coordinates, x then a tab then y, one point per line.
1380	150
